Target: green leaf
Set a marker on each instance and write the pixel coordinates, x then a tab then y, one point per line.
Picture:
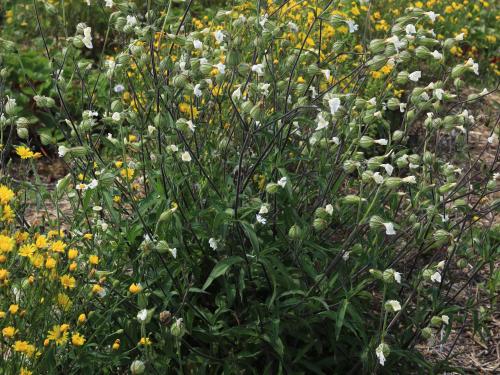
340	319
220	269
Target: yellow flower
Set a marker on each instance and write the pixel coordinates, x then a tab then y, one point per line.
58	334
6	244
94	260
77	339
58	246
68	281
116	344
72	253
24	152
13	309
50	263
127	173
6	195
8	214
27	250
25	371
4	274
41	242
64	301
145	341
82	318
24	347
135	288
9	332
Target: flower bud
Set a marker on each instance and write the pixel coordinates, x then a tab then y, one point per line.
295	232
319	224
137	367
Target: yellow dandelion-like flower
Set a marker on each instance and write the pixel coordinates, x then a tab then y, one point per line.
58	246
68	282
24	347
6	194
9	332
27	250
77	339
24	152
58	334
135	288
6	244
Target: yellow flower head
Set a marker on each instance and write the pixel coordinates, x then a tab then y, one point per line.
6	194
58	334
6	244
135	288
24	152
77	339
68	282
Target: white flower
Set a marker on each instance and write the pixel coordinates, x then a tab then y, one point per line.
410	29
282	182
436	277
261	219
334	104
441	264
345	257
186	156
353	26
492	138
212	242
87	37
389	229
173	252
62	150
119	88
388	168
393	304
142	315
327	74
475	67
410	180
336	140
382	141
263	209
258	68
93	184
377	177
219	36
329	209
322	123
131	21
236	94
445	319
439	93
197	92
221	67
432	16
373	101
116	116
197	44
397	277
415	76
397	43
264	88
379	352
173	148
293	27
263	21
437	55
459	37
191	127
109	3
